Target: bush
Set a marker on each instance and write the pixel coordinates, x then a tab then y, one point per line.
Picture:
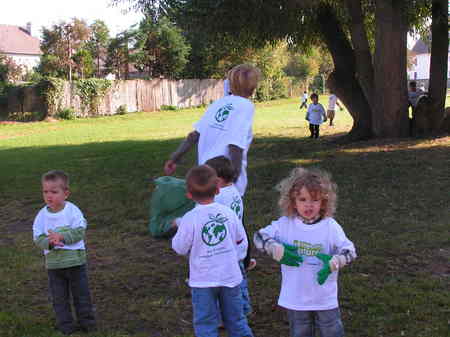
122	110
168	107
67	113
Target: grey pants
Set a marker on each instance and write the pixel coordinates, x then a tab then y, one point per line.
305	323
67	282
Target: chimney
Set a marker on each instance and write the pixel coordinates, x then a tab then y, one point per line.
28	28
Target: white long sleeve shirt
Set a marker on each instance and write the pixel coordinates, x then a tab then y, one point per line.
211	234
230	197
299	287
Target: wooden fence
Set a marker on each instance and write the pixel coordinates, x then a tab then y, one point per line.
135	95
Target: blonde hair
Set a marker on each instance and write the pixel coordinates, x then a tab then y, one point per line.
243	79
317	182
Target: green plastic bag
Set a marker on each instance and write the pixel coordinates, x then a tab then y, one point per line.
168	202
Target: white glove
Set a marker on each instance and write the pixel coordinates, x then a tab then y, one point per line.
337	262
275	250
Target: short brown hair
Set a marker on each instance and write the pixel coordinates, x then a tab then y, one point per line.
55	175
243	79
201	182
317	182
224	168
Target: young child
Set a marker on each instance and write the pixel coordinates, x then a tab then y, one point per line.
315	115
59	229
304	100
229	196
211	234
311	247
331	110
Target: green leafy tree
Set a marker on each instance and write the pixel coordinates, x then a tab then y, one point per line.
118	55
10	71
62	41
98	43
366	39
83	63
160	49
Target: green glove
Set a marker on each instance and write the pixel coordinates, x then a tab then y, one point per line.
323	273
290	256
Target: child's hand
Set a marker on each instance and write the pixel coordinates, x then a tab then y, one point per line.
55	238
290	256
323	273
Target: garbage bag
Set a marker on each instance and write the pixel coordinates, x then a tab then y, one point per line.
168	202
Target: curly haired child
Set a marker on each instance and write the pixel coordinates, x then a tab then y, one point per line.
311	248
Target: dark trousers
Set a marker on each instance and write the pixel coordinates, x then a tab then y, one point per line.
249	248
66	282
314	129
304	104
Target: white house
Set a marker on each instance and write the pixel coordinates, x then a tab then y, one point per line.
18	43
420	68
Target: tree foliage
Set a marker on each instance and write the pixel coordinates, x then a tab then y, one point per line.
160	48
366	39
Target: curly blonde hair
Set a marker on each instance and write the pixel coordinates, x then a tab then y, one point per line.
316	181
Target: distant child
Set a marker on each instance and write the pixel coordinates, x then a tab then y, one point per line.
311	247
212	234
315	115
304	100
59	228
230	196
331	110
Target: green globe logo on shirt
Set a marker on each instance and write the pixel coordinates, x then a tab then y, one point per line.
236	206
223	113
214	231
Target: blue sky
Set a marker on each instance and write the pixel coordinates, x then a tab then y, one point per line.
47	12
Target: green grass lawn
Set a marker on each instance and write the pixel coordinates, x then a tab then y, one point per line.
393	203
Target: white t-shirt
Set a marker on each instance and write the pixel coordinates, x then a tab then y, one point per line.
299	287
230	197
211	234
70	217
332	102
227	121
316	113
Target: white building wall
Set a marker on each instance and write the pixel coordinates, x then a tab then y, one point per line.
421	70
29	61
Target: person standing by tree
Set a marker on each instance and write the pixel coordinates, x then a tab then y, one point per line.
315	115
304	100
331	111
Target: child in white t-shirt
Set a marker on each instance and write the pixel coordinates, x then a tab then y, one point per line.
229	196
59	230
315	115
311	247
225	128
212	234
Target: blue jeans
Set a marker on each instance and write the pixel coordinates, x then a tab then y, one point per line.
71	282
247	306
206	312
305	323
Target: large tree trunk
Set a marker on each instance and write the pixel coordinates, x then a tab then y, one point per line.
343	80
438	66
363	56
390	117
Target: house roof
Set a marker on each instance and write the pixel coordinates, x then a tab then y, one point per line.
17	40
420	48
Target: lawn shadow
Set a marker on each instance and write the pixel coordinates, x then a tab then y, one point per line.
392	204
